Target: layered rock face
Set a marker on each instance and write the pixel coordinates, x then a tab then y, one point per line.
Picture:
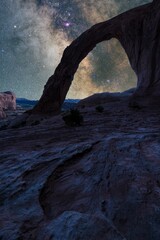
7	102
98	181
138	32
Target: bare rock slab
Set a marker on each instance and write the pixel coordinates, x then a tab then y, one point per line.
97	181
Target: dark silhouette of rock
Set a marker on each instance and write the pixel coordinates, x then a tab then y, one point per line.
93	182
7	102
138	32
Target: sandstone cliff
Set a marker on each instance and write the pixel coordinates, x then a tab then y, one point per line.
7	102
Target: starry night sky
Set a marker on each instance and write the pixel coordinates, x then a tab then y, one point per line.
34	33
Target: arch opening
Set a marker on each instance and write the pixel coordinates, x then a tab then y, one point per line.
105	69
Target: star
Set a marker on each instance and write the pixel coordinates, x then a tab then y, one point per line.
67	24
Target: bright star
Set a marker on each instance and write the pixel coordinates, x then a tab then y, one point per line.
67	24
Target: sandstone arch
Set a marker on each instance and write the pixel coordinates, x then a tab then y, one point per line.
138	31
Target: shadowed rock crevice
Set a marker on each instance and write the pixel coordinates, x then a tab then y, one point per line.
107	182
138	32
51	200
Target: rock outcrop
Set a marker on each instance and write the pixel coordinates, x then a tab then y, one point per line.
7	102
97	181
138	32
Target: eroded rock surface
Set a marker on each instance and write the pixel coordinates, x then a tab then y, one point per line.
97	181
7	102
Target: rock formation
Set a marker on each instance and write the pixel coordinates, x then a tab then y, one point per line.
7	102
98	181
138	32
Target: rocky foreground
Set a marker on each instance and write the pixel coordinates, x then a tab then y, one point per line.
98	181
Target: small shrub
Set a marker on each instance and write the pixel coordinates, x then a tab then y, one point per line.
19	124
83	106
35	123
73	118
100	109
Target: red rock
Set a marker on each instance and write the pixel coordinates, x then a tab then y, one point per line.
7	102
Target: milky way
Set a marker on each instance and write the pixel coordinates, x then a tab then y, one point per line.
33	35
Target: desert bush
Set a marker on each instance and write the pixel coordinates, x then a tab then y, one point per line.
100	109
73	118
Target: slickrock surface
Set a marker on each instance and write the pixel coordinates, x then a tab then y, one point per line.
98	181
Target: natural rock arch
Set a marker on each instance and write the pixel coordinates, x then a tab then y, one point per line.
138	31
